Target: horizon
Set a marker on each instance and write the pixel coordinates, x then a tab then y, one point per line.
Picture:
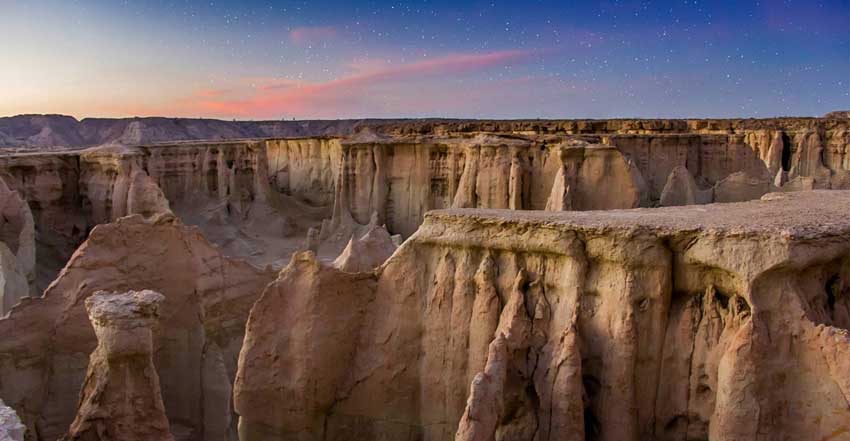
272	61
417	118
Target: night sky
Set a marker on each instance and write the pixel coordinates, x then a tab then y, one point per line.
482	59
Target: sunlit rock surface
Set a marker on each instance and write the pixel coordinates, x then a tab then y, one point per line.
596	305
672	324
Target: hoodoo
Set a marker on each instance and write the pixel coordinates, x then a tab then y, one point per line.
121	397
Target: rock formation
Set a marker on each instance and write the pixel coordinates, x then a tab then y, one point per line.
121	399
667	324
114	184
291	396
207	300
367	252
670	324
17	249
682	189
11	428
740	186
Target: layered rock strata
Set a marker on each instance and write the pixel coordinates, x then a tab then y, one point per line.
121	399
259	198
724	322
207	300
399	180
49	183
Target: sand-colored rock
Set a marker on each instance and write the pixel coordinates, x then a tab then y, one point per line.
207	300
669	324
682	189
114	184
367	252
121	398
306	293
741	186
484	406
11	428
49	183
17	249
589	305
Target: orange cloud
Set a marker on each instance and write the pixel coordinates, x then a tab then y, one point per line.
274	98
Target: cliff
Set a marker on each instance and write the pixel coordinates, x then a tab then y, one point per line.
669	324
259	198
482	320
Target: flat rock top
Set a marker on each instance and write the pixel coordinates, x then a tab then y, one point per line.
129	306
805	214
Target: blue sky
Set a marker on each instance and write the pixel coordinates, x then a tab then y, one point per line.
483	59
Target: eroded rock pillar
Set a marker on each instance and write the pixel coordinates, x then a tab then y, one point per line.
121	399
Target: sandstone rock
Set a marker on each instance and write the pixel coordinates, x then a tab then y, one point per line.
207	300
671	323
740	186
681	189
295	405
11	428
115	184
17	249
780	179
596	301
560	198
367	252
49	184
484	407
121	397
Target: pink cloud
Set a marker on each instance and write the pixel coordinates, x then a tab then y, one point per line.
312	34
353	92
211	93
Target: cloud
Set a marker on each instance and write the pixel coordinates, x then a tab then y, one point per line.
312	34
353	93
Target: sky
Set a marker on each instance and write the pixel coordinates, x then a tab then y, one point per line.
252	60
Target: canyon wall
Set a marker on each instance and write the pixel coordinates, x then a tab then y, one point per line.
259	198
724	323
500	316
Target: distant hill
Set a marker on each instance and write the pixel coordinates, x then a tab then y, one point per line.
46	131
838	114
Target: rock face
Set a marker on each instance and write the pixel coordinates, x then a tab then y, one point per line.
258	198
367	252
121	397
49	183
114	184
292	395
671	324
207	300
11	428
401	179
17	249
682	189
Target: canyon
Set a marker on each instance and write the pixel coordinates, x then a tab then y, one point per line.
426	279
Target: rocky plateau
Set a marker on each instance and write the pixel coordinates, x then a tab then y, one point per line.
599	280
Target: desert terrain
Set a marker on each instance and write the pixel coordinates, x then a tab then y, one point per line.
436	279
